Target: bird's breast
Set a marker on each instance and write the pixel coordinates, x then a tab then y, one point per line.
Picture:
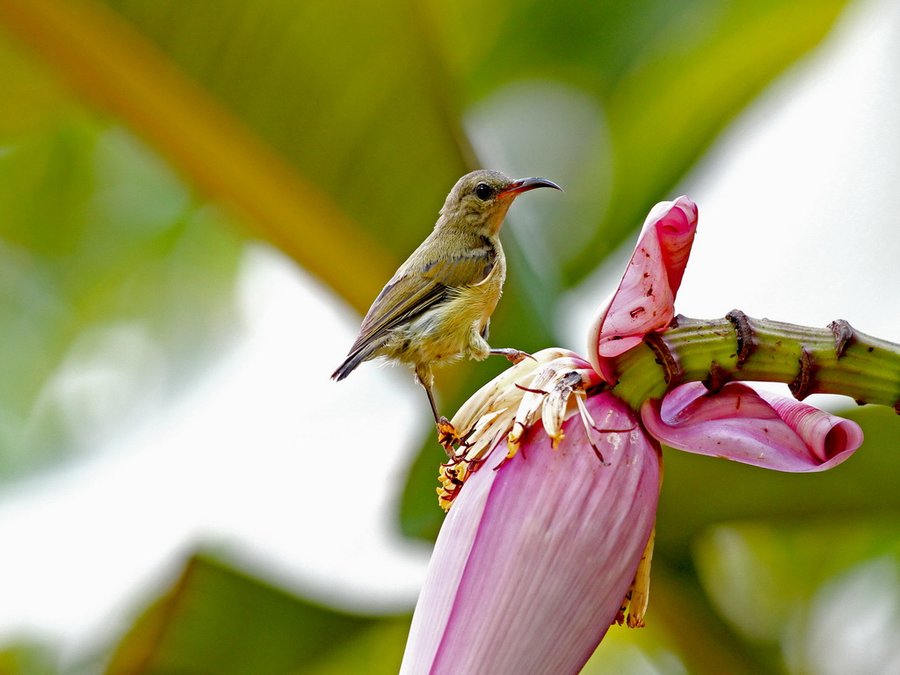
446	332
486	294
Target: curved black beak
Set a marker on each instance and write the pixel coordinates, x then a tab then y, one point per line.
526	184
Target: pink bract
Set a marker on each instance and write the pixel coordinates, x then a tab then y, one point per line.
747	426
535	557
644	302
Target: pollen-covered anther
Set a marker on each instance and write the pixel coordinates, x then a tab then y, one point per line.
556	439
514	439
557	404
452	476
531	402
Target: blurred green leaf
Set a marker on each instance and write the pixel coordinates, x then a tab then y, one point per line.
111	273
699	492
667	77
682	622
824	593
115	66
218	620
367	103
376	650
761	575
355	100
27	658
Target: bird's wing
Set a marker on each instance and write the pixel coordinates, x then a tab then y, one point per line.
408	296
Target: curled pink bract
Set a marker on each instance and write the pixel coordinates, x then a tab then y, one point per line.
747	426
644	301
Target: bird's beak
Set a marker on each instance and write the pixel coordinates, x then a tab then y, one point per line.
526	184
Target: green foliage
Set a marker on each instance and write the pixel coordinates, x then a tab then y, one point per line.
113	276
217	620
762	576
27	657
354	100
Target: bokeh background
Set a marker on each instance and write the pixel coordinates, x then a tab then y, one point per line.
198	200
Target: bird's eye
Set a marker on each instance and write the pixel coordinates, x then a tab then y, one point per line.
484	191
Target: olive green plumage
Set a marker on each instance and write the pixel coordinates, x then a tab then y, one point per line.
438	305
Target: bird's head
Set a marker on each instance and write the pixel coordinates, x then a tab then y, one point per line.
480	199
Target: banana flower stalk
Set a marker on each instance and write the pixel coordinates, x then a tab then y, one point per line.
554	487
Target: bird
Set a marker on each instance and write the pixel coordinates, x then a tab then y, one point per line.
437	307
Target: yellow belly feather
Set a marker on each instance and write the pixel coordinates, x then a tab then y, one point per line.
452	330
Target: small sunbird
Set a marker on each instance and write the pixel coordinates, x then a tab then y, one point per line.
437	307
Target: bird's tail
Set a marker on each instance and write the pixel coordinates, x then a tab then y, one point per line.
353	359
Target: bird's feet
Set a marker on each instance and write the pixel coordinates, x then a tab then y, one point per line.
512	355
447	436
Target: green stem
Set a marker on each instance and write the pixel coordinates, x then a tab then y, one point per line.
833	360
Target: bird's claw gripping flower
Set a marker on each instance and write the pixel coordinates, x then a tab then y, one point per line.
447	436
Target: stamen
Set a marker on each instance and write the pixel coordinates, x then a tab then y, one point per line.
452	476
589	424
509	405
532	391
